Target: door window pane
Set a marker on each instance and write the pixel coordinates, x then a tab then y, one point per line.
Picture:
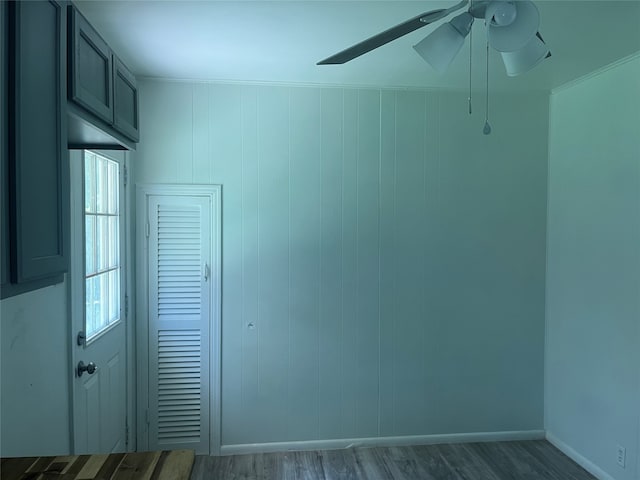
102	243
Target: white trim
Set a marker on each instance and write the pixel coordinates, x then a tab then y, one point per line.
382	442
215	332
75	293
142	322
130	318
178	189
588	465
355	86
595	73
545	346
214	193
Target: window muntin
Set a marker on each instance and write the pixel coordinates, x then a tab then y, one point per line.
102	243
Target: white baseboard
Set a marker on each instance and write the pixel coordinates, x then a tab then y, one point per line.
381	442
588	465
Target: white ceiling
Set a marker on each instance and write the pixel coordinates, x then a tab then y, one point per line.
281	41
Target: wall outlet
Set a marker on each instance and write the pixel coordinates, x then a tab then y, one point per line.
621	456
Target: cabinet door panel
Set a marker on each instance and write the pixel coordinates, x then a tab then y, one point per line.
125	100
4	185
90	73
38	158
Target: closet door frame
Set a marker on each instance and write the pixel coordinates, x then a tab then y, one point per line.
143	192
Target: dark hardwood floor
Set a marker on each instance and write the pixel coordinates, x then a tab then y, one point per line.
527	460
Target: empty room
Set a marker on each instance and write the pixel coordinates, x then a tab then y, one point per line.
320	239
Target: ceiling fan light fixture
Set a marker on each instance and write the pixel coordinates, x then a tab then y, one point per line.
517	34
500	13
440	47
521	61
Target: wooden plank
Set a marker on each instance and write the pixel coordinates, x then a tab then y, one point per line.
269	465
67	461
13	468
403	463
54	471
92	467
339	464
41	465
555	460
109	467
433	462
244	467
371	461
159	465
177	465
137	466
308	465
78	465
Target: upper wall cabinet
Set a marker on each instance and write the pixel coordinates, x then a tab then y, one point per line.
103	107
4	154
125	96
35	164
90	63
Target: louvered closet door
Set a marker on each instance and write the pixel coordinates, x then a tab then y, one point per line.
179	323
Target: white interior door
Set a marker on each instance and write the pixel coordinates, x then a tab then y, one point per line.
179	306
99	353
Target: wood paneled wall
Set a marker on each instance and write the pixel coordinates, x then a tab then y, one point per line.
592	381
383	261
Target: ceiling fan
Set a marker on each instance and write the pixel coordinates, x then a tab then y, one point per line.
512	30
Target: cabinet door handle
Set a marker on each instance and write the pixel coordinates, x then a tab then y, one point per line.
206	271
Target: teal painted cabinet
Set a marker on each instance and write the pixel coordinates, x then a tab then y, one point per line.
35	164
100	84
125	97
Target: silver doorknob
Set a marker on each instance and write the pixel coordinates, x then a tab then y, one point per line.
89	368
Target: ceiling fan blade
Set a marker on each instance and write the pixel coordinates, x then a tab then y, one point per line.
391	34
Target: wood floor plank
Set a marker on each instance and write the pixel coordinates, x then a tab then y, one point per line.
526	460
271	465
109	466
160	464
558	462
78	465
433	462
473	464
92	467
398	464
13	468
502	462
288	465
339	465
67	460
136	466
372	462
118	466
308	464
244	467
54	471
35	471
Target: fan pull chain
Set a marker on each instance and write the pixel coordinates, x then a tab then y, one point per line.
470	57
487	126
